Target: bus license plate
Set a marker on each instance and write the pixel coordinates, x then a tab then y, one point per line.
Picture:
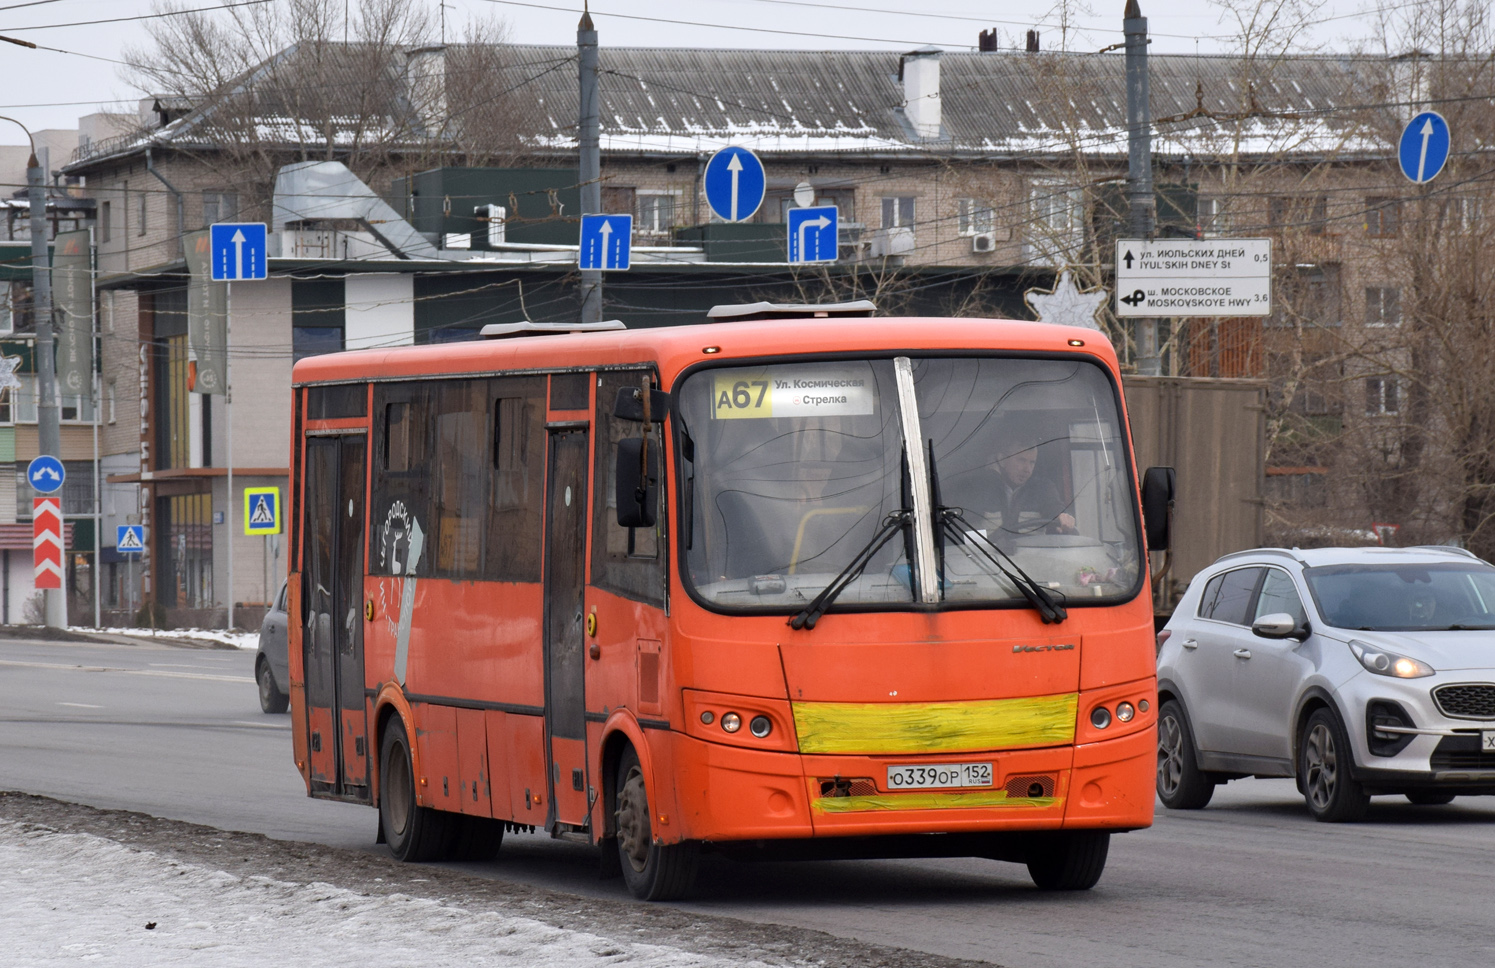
926	776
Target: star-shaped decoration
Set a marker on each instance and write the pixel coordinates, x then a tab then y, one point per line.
1065	304
8	378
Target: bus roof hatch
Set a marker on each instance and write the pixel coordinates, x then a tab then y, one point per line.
766	310
526	328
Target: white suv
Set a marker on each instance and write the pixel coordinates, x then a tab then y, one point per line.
1359	671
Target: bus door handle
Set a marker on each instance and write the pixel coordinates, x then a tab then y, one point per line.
1190	644
1242	653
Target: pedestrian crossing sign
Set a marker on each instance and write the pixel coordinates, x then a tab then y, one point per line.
261	510
129	539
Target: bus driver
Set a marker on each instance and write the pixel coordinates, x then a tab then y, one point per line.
1025	503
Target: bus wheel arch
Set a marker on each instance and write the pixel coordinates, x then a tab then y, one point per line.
390	704
652	870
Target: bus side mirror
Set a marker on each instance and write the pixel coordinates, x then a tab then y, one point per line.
637	492
630	405
1157	507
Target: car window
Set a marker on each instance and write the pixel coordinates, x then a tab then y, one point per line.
1211	592
1279	594
1233	599
280	600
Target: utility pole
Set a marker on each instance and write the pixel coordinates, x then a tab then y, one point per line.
48	428
590	140
1141	204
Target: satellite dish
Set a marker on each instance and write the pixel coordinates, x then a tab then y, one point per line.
804	194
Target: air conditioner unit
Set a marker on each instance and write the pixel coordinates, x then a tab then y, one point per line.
984	242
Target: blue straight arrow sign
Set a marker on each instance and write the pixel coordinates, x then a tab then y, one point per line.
606	242
1423	148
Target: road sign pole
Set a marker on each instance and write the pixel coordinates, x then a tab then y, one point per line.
1141	203
48	425
590	167
228	420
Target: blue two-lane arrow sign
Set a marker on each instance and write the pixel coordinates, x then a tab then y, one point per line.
606	242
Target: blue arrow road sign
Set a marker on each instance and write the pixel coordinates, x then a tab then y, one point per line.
129	539
606	242
1423	149
239	251
45	474
734	184
812	234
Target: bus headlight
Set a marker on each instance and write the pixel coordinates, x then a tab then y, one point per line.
1100	717
760	726
731	722
1125	712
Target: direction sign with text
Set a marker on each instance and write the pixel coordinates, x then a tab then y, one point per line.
1194	277
239	251
606	242
813	234
734	183
1423	148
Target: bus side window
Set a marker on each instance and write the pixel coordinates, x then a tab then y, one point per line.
512	551
402	480
630	561
459	478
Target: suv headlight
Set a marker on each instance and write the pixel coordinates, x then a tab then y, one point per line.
1384	663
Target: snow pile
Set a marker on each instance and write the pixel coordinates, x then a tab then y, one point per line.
239	640
74	898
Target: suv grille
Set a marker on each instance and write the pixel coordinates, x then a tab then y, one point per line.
1461	752
1468	701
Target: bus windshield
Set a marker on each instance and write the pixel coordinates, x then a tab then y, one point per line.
792	470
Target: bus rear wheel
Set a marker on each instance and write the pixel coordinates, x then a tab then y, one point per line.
652	871
1071	861
413	832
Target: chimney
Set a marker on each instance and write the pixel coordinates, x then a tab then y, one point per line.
1032	41
425	78
986	43
920	72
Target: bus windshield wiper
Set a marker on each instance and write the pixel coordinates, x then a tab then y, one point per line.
1050	611
891	525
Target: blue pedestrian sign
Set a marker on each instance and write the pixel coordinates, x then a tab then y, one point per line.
606	242
239	251
129	539
1424	146
813	234
735	184
45	474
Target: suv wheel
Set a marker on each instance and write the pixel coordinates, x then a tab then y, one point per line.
1181	784
1324	762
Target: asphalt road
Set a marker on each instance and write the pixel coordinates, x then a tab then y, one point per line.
177	733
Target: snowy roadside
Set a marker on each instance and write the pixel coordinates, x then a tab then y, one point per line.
78	897
237	640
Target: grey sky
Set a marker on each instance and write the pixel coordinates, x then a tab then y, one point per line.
30	77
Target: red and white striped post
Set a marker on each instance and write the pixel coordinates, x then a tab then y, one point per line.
46	541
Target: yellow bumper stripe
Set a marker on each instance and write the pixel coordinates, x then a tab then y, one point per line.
935	727
929	801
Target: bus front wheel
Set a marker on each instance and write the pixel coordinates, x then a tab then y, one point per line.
652	871
1070	861
414	833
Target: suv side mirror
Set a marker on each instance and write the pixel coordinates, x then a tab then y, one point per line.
1158	484
636	487
1280	625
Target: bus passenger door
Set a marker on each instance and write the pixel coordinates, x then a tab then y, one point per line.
565	635
332	619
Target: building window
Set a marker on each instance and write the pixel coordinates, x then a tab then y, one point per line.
1310	294
219	207
656	211
1057	221
1383	307
141	200
617	200
1383	217
897	212
1383	396
975	217
106	221
317	317
1307	212
111	403
1213	219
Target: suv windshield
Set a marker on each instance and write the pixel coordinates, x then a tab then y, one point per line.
1405	598
791	470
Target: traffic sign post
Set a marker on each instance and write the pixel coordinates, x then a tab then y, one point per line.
129	539
735	184
1423	148
813	234
261	510
1194	277
46	541
240	251
606	242
45	474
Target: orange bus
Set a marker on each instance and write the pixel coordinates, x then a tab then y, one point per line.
790	587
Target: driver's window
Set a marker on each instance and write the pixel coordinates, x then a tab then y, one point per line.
1279	594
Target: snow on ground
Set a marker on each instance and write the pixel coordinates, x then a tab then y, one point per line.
239	640
72	898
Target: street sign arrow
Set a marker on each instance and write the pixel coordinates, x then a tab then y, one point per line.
734	183
1424	147
1128	258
